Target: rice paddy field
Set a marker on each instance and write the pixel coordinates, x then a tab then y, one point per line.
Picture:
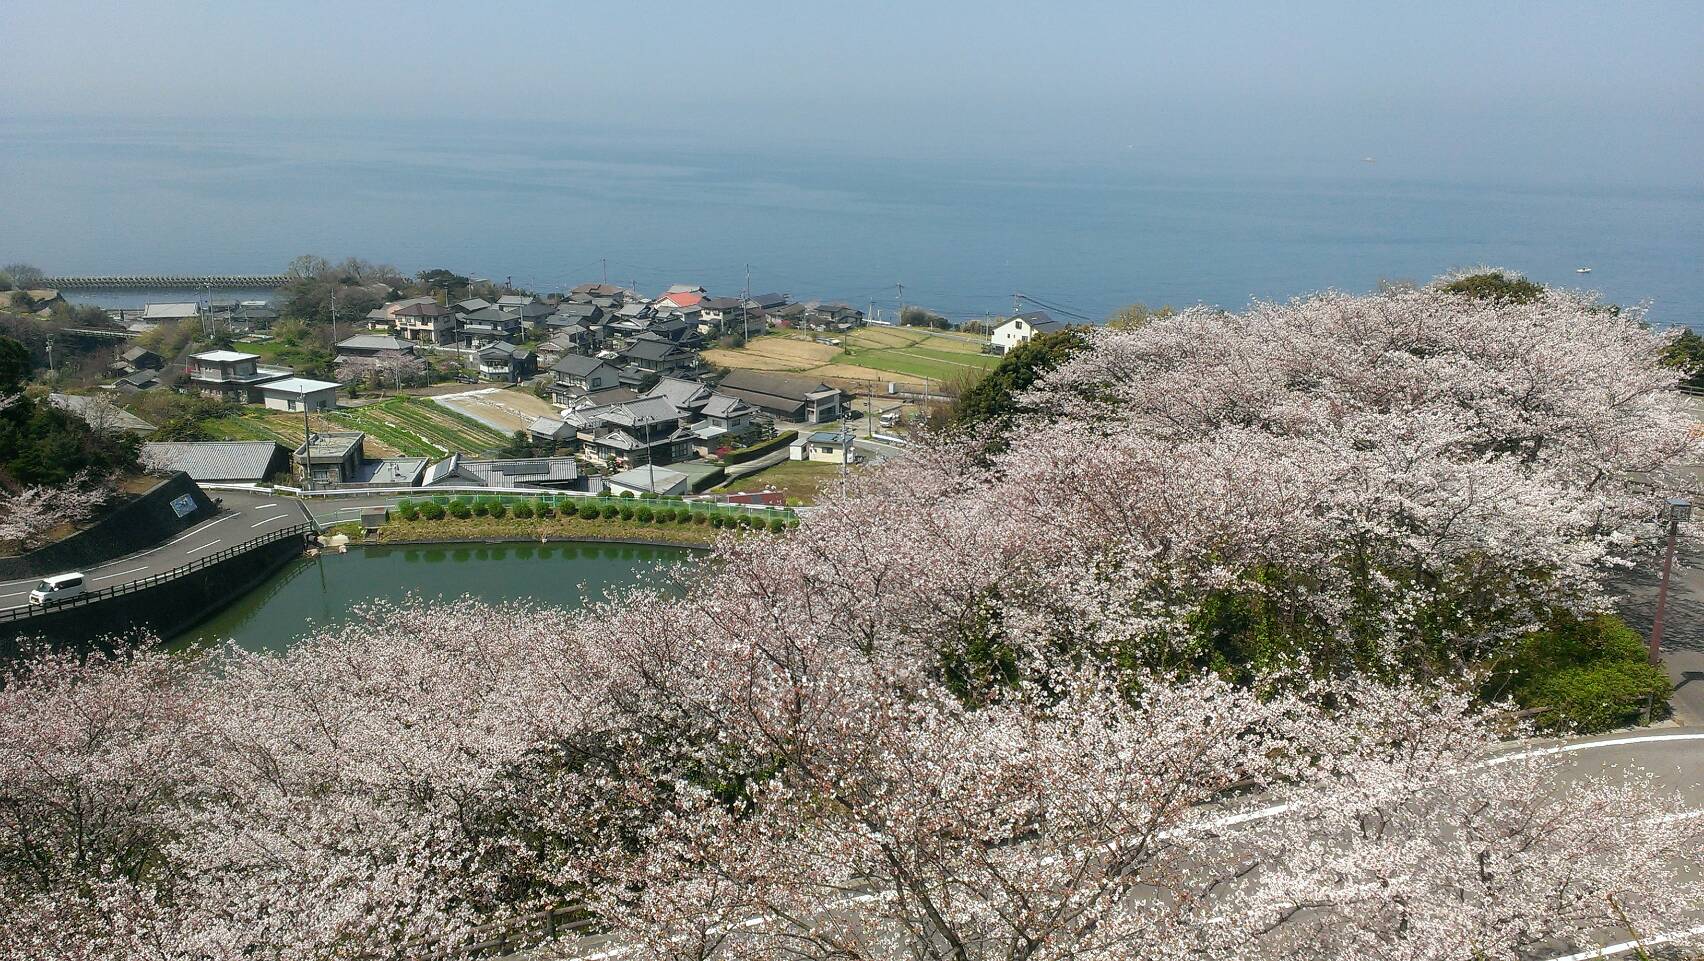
870	354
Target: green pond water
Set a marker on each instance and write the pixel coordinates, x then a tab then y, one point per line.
320	591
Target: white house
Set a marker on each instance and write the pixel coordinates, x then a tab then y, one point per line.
825	447
295	393
1021	328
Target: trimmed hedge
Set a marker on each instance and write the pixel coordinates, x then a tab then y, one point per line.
709	480
743	454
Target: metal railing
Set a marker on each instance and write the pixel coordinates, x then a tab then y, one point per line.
200	563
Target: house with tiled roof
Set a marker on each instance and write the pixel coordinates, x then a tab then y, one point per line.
790	398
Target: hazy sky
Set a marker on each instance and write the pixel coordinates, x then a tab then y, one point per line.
1561	89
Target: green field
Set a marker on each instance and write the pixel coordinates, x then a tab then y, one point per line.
800	480
413	428
941	357
286	429
421	428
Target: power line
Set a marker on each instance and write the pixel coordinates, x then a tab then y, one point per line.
1044	305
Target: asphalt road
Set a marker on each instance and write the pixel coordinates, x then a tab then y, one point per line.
242	517
1683	623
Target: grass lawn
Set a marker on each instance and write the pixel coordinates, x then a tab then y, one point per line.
800	480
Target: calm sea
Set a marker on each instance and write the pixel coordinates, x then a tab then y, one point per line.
556	207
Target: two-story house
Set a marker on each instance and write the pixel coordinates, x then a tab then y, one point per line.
424	320
231	375
578	375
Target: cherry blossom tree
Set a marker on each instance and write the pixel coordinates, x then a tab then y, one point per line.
1186	671
32	513
381	369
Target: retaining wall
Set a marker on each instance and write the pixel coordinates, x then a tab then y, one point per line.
136	526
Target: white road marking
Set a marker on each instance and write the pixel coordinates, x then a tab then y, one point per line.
18	594
1625	946
196	530
201	548
1588	745
119	574
275	517
1276	809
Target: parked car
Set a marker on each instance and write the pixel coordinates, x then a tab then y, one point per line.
57	589
890	418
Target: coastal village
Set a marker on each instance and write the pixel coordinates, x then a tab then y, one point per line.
758	398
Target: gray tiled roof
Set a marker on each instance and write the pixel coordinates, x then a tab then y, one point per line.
235	460
577	365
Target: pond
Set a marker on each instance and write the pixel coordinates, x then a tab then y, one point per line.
318	591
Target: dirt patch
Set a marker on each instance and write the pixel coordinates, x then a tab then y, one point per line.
745	360
503	410
864	375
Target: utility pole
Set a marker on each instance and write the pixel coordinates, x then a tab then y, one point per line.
650	458
1676	511
745	325
49	355
901	302
307	442
1016	308
334	315
605	262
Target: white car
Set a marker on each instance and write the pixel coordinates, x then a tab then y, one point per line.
57	589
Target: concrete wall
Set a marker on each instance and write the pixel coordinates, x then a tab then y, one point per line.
163	610
136	526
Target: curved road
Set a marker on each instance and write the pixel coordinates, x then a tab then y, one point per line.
1669	755
242	517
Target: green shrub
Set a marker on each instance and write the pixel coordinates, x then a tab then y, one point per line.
523	511
588	511
644	515
776	525
701	517
432	511
626	512
626	493
665	515
408	511
461	510
685	515
481	508
499	509
610	511
546	509
1583	674
1597	697
716	520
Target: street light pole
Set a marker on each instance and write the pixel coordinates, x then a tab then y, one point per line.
1678	509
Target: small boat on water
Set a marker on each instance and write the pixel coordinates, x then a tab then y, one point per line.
1582	270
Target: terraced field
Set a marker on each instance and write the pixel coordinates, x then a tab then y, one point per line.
420	428
285	429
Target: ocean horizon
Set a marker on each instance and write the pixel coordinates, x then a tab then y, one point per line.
551	207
